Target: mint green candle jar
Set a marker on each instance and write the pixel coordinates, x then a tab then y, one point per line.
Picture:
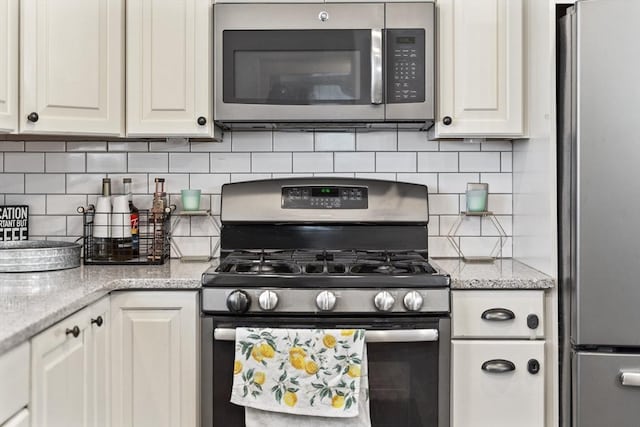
477	195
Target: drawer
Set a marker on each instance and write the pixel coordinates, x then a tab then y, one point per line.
14	387
497	314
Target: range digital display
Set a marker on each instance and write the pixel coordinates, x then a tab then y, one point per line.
405	40
325	192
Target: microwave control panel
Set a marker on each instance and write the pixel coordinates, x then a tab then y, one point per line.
405	66
326	197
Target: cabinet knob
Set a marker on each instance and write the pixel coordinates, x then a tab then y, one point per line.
533	366
202	121
33	117
98	321
533	321
75	331
446	120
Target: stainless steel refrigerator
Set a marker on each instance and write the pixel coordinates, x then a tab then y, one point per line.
599	215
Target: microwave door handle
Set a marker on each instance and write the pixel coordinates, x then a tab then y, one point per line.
376	66
380	336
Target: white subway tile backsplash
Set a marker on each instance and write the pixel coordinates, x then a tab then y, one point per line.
506	162
230	162
74	172
459	146
65	162
106	162
396	162
479	162
85	184
40	183
415	141
356	162
128	146
209	183
37	203
455	182
193	246
170	146
481	246
443	204
271	162
376	141
24	162
66	204
335	141
85	146
12	146
497	145
428	179
147	162
49	225
252	141
313	162
44	146
293	141
437	162
498	182
489	229
188	162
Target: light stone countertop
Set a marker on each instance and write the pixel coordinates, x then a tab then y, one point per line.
501	274
31	302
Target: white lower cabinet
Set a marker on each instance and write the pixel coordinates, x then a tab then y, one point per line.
497	383
69	370
155	358
21	419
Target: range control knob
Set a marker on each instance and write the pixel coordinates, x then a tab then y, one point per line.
268	300
326	300
384	301
238	302
413	301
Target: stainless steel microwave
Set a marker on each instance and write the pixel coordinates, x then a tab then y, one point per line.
324	65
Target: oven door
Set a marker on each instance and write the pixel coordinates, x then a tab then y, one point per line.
408	363
298	62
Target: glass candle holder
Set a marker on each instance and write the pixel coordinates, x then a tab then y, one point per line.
190	200
477	195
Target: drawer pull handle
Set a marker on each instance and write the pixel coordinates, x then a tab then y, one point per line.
498	314
98	321
75	331
630	379
498	366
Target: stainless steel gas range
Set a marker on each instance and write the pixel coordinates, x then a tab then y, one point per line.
332	253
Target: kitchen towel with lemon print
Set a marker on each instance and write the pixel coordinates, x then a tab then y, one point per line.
317	372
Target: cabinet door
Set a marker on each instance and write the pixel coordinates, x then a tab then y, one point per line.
483	396
154	343
169	80
99	372
9	65
481	68
59	369
72	73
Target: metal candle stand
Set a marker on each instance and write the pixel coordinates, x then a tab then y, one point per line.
496	251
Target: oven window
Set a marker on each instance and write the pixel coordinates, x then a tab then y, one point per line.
297	67
403	385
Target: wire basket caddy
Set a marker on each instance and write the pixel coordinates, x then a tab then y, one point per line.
107	238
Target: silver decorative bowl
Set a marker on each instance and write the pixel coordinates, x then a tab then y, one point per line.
38	255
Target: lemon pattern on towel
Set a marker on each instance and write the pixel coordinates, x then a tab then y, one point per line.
299	371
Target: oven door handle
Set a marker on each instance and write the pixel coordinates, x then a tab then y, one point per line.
381	336
376	67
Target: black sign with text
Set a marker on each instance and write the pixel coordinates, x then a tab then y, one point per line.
14	223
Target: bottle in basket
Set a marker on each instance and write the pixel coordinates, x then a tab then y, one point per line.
135	219
157	221
101	249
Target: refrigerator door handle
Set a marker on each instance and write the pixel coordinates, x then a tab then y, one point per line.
630	379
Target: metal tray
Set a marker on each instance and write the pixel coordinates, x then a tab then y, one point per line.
38	255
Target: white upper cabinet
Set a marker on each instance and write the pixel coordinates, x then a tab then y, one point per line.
72	67
9	11
169	71
480	58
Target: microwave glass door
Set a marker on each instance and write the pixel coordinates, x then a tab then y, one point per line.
297	67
